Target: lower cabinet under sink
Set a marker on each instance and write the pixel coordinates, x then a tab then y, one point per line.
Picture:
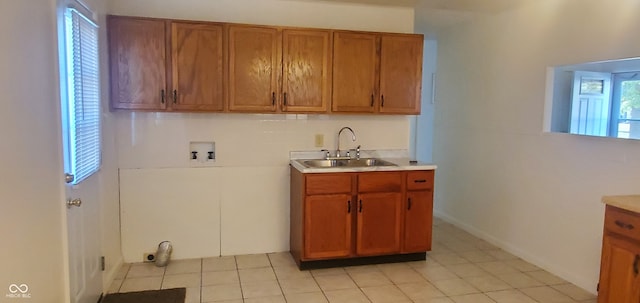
354	218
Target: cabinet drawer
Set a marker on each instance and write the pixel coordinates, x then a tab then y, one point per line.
419	180
328	184
622	222
380	182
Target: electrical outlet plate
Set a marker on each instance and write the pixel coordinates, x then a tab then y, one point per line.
148	257
319	140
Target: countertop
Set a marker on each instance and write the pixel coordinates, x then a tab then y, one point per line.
398	157
630	202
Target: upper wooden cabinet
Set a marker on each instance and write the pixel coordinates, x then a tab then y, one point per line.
138	57
175	65
400	73
273	70
197	66
355	76
144	51
254	65
377	73
306	64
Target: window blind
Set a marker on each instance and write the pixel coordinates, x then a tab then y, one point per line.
83	96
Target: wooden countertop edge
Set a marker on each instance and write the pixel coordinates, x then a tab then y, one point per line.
626	202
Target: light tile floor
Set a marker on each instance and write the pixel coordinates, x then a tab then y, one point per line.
461	268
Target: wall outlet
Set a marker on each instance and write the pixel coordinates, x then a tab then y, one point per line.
319	140
148	257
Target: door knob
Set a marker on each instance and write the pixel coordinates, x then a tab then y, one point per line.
74	202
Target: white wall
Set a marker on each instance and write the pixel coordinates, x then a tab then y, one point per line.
535	194
108	174
32	215
247	199
275	12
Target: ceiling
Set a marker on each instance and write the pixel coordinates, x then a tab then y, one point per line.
486	6
434	14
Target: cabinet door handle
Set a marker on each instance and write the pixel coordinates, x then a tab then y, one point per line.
162	96
284	99
349	206
382	99
273	99
624	225
372	99
409	204
175	96
360	208
635	265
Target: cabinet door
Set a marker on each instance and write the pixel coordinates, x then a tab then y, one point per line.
400	74
253	68
619	271
327	226
418	221
138	58
355	74
378	231
197	67
306	56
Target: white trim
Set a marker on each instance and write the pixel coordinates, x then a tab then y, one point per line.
83	9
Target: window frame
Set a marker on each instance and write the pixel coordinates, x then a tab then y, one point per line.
69	100
559	99
616	99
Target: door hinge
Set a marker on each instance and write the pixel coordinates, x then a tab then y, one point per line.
102	263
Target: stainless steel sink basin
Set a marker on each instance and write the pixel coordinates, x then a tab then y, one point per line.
346	163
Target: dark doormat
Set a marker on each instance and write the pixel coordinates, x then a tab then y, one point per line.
173	295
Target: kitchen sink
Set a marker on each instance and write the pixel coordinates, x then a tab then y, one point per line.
346	163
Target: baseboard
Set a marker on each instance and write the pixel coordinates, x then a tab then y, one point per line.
304	265
109	276
579	281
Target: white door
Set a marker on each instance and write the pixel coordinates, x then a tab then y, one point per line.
591	103
83	227
80	120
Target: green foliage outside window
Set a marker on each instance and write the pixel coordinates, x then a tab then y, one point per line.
630	97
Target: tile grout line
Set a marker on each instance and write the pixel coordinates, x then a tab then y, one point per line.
235	260
277	280
201	279
543	278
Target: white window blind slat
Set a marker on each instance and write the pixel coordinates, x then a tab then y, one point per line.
83	104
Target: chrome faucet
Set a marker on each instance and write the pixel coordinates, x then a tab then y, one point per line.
353	138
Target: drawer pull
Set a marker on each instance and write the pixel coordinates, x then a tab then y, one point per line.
420	181
624	225
635	265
